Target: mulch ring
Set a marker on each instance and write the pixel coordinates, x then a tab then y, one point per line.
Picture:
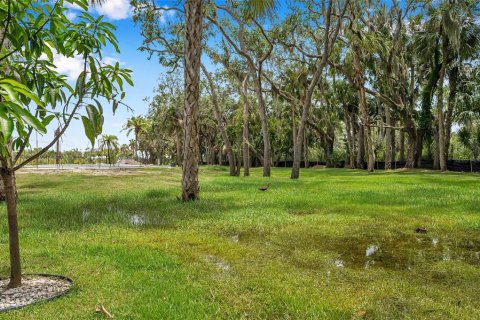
35	288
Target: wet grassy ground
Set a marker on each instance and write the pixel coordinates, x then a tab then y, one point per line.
336	244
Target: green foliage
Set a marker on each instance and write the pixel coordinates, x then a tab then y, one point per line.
32	92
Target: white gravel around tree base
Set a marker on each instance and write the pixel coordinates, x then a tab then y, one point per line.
34	288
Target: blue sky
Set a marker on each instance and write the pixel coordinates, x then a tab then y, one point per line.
145	72
145	76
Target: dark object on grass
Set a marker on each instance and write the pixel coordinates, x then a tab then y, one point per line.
421	230
264	188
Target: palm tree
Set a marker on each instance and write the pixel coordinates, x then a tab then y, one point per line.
136	125
109	141
193	52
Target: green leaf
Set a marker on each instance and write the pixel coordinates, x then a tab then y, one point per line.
115	106
80	86
6	127
46	121
27	117
89	131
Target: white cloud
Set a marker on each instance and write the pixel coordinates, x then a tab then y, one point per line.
114	9
111	60
68	66
71	67
71	15
72	6
166	14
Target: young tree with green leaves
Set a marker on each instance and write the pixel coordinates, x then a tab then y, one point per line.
33	93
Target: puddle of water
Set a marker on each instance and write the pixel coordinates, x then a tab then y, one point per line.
137	220
399	252
339	263
372	249
245	237
219	263
235	238
446	255
85	215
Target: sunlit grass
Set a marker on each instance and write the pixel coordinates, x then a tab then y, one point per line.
296	251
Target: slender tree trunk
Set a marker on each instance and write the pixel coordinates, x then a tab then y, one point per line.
305	152
394	143
193	51
8	177
440	116
294	128
307	103
361	147
452	82
353	127
179	146
238	156
402	144
329	142
220	123
412	143
220	156
436	155
245	131
350	149
3	196
267	158
388	139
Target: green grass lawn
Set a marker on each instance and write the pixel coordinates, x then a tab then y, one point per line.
297	251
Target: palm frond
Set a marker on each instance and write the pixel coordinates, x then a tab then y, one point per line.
260	8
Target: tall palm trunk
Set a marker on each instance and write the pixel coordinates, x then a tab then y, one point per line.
453	83
440	115
193	51
108	154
